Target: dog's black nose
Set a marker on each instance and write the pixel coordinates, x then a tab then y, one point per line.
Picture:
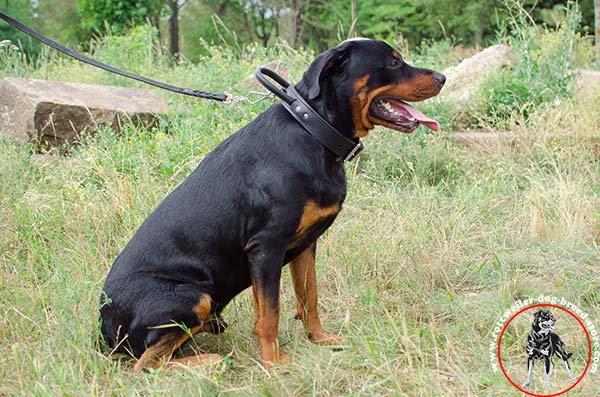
439	77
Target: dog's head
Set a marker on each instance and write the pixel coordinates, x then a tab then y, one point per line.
543	321
362	83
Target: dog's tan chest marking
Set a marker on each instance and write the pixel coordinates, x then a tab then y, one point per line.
313	214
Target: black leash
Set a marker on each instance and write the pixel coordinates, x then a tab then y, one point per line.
59	47
344	148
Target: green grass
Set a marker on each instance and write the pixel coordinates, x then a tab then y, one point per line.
434	243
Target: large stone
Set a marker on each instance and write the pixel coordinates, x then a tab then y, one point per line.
52	113
587	84
277	66
464	81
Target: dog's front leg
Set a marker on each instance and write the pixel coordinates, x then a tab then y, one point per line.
265	272
304	278
530	362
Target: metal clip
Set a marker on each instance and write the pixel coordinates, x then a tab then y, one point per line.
354	152
240	98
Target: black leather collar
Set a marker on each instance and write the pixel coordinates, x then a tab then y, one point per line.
344	148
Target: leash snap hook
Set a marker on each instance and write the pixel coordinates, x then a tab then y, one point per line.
230	98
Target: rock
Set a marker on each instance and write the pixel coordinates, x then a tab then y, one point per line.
42	158
464	81
587	83
277	66
52	113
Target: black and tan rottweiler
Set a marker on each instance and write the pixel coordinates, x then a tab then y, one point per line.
260	200
543	344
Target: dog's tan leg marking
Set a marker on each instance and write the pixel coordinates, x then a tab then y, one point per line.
156	354
304	279
266	327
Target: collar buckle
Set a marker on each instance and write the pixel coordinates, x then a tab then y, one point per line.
354	152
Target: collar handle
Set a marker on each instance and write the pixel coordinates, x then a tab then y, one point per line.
344	148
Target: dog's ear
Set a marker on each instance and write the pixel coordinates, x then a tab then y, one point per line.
537	313
324	65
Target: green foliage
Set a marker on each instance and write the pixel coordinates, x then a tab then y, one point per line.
117	15
436	54
383	20
138	50
326	23
210	23
542	69
22	11
57	19
12	60
320	24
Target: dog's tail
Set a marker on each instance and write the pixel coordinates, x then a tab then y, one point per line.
563	355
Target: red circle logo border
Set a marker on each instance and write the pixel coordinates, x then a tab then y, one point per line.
587	335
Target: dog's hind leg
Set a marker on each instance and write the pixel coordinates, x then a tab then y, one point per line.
571	376
529	372
563	355
304	278
549	371
155	355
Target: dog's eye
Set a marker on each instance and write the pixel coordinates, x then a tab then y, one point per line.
395	64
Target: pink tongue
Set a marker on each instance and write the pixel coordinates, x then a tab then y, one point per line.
426	121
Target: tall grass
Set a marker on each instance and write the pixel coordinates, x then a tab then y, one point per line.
434	243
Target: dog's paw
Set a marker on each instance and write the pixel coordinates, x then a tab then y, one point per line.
323	338
526	384
270	360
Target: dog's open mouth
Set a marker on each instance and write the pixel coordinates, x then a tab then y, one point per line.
546	326
398	115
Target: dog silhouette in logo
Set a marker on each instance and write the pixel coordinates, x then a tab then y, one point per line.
542	343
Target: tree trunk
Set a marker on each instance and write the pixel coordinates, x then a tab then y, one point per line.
174	29
479	31
597	12
154	22
248	28
221	10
